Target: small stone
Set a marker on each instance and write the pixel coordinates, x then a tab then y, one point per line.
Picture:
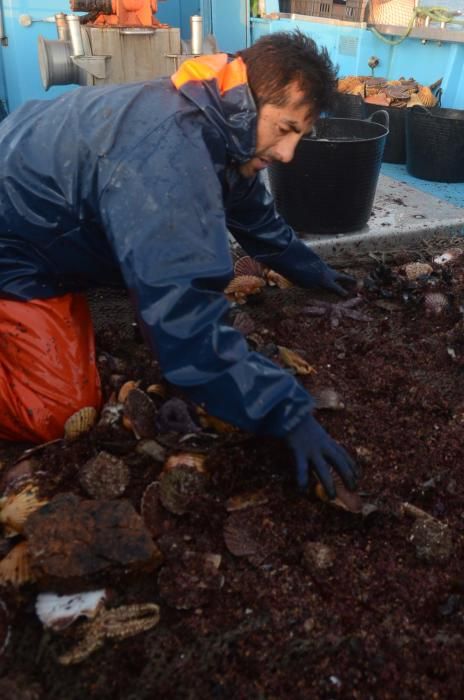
317	555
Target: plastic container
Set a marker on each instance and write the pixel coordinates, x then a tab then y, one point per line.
435	144
329	186
395	146
348	107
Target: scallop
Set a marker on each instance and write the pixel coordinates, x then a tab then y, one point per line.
413	271
193	460
15	568
104	476
244	323
426	96
241	287
180	486
435	303
247	266
275	279
16	508
80	422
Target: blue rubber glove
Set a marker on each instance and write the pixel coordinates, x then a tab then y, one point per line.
315	450
330	279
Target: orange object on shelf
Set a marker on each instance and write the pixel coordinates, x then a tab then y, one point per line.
122	13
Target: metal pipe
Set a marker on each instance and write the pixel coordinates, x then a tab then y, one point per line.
196	28
2	26
62	26
74	27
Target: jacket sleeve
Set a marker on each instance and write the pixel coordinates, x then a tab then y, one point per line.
164	216
254	222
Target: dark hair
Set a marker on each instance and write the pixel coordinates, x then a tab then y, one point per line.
277	60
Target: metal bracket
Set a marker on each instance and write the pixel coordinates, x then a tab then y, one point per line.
95	65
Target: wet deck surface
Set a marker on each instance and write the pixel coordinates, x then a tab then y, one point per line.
406	211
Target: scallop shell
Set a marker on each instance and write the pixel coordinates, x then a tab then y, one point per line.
5	628
344	499
435	303
241	287
253	534
427	97
448	256
186	459
141	412
244	323
295	361
155	516
16	508
414	100
247	500
15	568
246	266
274	279
57	612
180	486
349	83
125	389
104	476
415	270
80	422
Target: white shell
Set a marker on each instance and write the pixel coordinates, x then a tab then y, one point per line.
448	256
60	611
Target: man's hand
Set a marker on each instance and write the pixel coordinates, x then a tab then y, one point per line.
314	450
333	280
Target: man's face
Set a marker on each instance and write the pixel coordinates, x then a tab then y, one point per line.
279	130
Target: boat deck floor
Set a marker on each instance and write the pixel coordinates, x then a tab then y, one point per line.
407	211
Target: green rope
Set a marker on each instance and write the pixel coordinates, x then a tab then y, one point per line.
436	14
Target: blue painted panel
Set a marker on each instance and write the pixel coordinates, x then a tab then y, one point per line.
230	23
20	62
177	13
351	47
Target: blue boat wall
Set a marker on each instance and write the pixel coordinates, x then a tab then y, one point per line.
427	54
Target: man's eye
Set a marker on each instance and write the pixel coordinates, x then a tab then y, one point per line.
283	130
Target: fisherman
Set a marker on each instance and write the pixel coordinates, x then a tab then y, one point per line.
138	185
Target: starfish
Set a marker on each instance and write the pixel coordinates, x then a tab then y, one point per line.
337	311
118	623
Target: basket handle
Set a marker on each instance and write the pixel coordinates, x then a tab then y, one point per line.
383	114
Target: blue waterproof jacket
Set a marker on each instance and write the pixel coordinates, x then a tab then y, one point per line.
137	185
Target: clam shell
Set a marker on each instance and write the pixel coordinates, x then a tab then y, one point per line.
141	412
435	303
448	256
246	266
158	390
15	568
295	361
125	389
80	422
104	476
57	612
415	270
274	279
16	508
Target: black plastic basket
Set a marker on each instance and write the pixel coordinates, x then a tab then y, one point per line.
395	146
329	186
348	107
435	144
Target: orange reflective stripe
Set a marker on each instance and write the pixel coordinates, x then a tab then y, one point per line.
213	67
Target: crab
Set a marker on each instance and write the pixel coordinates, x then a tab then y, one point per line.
337	311
118	623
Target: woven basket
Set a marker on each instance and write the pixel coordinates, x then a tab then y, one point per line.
396	13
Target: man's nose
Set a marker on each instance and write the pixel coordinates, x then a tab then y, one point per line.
286	148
